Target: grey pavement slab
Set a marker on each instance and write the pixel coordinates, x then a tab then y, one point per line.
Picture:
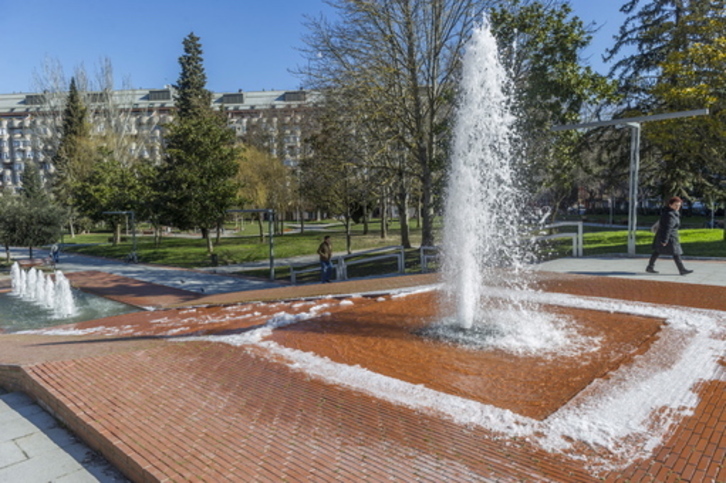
34	447
705	272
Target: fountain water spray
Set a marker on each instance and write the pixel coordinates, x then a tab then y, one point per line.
481	227
51	292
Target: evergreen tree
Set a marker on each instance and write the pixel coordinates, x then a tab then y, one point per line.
197	179
74	132
192	97
30	219
33	184
676	64
74	156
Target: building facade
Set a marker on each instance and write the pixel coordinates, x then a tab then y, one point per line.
30	124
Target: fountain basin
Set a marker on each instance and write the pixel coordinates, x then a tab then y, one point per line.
18	315
385	338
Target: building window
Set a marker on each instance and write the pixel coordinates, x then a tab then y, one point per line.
296	96
35	99
237	98
97	97
162	95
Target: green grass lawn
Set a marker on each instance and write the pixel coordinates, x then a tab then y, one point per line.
190	252
701	242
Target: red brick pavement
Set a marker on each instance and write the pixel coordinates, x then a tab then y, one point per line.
200	411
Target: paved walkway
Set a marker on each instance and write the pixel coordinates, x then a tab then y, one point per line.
198	281
35	448
213	412
705	272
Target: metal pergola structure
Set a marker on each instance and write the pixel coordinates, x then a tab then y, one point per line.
271	235
634	123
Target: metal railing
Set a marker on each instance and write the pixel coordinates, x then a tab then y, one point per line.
397	253
577	243
426	256
342	262
294	272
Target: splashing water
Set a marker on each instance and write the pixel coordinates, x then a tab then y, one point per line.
482	211
52	293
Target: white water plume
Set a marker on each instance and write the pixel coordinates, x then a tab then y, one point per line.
483	203
52	293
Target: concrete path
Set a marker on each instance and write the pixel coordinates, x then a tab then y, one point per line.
190	280
705	272
35	448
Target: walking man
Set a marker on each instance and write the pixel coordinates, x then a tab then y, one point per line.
325	250
666	240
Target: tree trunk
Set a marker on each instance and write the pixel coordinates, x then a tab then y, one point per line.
419	203
116	233
427	231
384	216
348	238
261	227
403	216
207	236
157	236
365	218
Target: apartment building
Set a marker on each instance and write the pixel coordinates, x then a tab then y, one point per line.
29	123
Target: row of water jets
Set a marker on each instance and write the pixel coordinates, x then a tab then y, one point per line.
52	292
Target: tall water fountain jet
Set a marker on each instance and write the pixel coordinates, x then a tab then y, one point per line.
482	211
53	293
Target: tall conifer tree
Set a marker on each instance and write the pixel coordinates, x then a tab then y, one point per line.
74	130
74	156
197	178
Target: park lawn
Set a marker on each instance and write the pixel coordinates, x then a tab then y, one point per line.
701	242
190	252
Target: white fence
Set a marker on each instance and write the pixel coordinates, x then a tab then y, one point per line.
576	237
427	255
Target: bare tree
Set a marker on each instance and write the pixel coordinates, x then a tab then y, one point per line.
127	132
400	60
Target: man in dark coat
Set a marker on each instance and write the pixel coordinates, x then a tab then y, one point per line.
666	240
325	251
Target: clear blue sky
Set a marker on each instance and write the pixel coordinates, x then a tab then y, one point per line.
248	44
